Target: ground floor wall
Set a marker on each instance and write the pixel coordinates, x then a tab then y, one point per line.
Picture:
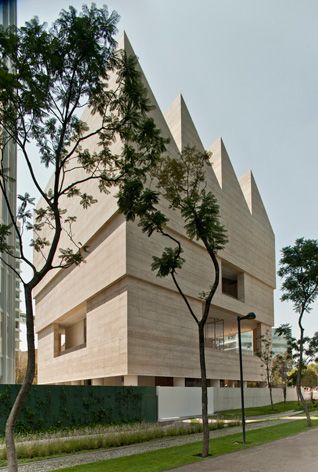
175	402
163	339
103	352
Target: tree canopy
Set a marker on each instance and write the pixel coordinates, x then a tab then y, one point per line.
47	76
299	271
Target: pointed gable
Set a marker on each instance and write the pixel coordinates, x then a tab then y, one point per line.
181	125
155	112
253	198
225	173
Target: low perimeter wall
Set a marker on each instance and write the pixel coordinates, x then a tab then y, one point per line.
230	398
63	406
175	402
55	406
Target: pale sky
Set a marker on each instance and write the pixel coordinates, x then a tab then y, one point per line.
248	71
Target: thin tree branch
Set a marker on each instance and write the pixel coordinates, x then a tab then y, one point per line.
11	268
167	235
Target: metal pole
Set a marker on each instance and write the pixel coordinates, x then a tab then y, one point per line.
241	379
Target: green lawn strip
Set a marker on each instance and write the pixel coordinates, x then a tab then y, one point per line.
265	410
170	458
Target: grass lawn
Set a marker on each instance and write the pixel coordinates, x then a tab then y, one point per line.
166	459
266	410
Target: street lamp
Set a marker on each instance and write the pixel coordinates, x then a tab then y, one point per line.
249	316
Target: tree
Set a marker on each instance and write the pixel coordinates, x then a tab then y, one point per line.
310	376
282	364
299	271
182	182
310	350
47	75
266	356
21	367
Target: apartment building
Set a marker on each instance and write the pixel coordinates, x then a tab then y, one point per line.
9	282
111	321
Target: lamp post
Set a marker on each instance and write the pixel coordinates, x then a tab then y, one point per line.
249	316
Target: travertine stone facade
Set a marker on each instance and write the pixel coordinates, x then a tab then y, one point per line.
110	321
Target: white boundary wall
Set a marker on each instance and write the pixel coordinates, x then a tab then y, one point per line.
178	402
230	398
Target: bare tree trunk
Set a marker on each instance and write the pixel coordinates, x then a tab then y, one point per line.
300	368
269	383
205	419
25	387
271	394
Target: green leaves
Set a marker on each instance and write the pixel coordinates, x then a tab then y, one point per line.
39	243
182	182
309	344
202	220
136	201
68	256
87	200
169	261
299	270
5	231
47	75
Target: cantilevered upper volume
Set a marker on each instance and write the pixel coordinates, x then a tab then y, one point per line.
181	125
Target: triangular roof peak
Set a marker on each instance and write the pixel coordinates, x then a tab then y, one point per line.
155	112
253	197
181	125
124	44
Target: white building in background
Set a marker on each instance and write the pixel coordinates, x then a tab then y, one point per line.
279	343
9	283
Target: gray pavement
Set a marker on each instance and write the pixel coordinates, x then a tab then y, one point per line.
292	454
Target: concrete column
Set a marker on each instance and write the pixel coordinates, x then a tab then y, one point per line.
130	380
178	381
215	382
98	381
113	381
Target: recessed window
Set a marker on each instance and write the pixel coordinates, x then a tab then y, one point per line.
70	336
232	281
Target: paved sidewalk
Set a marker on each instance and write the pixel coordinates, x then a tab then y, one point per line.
292	454
98	455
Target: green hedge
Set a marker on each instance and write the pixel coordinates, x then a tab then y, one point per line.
51	406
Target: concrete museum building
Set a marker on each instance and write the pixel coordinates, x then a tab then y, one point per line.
111	321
